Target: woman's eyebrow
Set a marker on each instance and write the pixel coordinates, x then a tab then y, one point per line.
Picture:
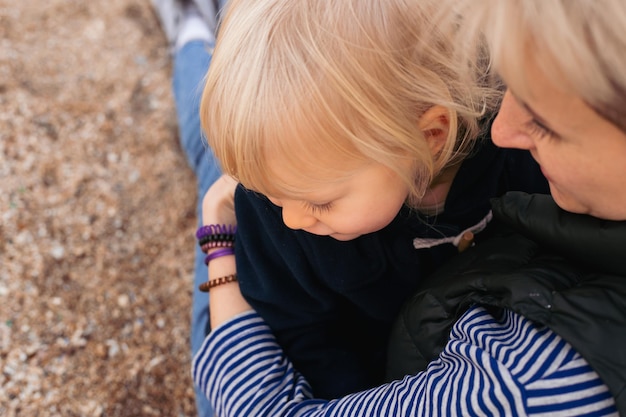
532	112
535	115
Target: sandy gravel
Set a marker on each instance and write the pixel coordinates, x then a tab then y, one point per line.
96	214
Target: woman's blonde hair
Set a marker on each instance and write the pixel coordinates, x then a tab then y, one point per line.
299	80
578	44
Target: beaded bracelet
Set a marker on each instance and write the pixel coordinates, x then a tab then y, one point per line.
206	286
218	254
217	238
216	233
213	229
212	245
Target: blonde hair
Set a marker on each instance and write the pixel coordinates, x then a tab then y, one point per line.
578	44
306	80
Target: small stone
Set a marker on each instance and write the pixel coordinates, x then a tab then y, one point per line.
114	348
57	252
101	351
123	300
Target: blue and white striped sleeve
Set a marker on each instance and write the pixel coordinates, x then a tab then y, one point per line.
505	366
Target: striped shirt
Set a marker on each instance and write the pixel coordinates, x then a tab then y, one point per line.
506	366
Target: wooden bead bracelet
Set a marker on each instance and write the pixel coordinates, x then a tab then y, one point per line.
206	286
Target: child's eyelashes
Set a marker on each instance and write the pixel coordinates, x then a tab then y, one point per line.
535	127
318	208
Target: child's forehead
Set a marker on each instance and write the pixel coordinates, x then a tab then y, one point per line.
300	178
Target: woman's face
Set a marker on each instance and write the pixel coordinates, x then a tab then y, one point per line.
582	155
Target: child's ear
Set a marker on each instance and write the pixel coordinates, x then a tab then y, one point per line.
435	123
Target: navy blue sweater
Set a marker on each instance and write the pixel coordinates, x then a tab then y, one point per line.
331	303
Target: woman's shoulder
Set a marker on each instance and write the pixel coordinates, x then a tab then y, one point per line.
595	243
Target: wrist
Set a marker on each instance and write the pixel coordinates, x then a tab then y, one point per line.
218	242
226	302
222	266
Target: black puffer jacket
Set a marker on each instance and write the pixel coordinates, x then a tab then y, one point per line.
559	269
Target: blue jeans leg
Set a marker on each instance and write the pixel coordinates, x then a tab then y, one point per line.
191	63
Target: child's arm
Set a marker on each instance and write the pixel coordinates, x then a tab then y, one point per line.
218	208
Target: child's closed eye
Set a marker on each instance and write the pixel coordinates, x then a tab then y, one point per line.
318	208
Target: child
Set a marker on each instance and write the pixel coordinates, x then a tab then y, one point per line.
364	160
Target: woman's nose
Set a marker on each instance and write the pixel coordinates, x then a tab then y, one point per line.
507	130
296	217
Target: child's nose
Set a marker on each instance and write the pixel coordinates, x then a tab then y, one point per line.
296	217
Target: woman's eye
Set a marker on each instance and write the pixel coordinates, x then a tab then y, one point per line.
535	127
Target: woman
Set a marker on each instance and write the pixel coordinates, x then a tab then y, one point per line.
531	321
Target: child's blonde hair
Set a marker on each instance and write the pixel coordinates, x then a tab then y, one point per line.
300	80
578	44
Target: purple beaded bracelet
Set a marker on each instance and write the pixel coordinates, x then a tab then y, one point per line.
215	229
218	254
216	236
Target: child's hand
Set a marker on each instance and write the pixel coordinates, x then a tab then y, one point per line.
218	204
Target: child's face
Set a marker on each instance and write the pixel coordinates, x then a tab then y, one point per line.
363	202
582	155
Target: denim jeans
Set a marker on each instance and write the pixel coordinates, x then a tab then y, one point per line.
191	63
